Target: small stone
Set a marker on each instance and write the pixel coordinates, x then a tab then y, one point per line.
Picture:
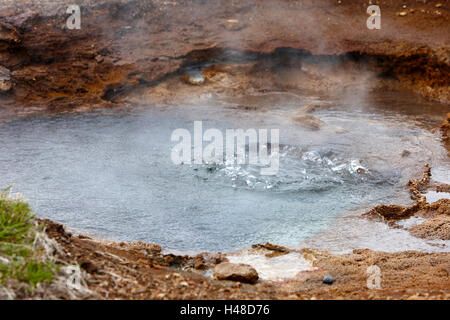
438	5
214	258
18	20
402	14
309	121
328	279
236	272
5	79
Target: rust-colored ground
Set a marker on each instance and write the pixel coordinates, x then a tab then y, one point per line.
126	43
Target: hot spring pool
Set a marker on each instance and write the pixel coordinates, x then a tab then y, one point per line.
109	173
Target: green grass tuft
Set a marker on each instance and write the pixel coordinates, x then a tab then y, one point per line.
19	258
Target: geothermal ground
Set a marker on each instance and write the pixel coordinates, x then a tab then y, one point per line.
135	55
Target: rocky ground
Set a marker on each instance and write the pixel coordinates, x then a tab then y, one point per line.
436	214
136	270
125	45
129	51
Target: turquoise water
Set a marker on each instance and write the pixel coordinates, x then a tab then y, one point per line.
110	173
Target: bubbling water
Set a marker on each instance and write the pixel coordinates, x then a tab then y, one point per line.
110	173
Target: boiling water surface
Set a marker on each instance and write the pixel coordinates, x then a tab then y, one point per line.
110	173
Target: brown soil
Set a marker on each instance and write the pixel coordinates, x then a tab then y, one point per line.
139	270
